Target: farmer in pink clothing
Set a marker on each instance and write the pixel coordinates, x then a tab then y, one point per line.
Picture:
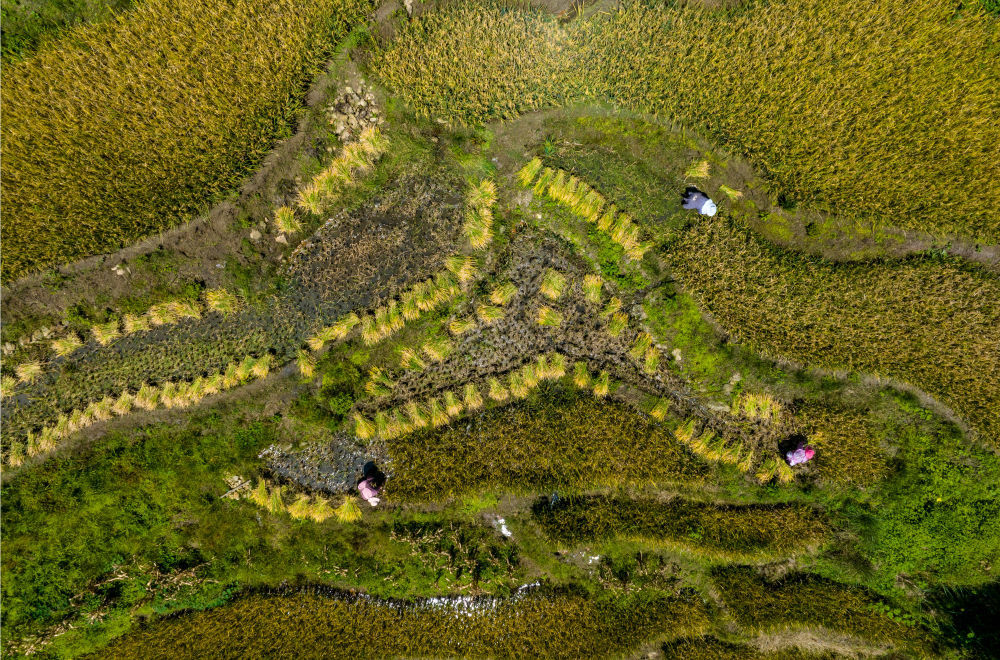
800	454
371	483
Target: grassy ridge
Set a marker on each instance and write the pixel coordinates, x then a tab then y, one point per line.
535	626
124	128
934	324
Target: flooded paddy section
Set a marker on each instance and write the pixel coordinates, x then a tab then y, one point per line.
535	622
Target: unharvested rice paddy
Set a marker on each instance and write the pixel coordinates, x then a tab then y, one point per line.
410	349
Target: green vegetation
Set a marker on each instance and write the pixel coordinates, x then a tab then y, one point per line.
710	530
100	114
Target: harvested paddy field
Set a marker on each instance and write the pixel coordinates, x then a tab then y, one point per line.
495	329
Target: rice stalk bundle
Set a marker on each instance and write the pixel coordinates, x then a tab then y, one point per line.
260	495
306	364
363	427
452	406
592	285
660	410
185	309
7	385
66	345
415	415
497	391
15	454
503	293
734	195
549	317
262	366
530	170
221	301
532	373
369	330
602	385
436	413
546	178
123	404
132	323
299	509
482	194
161	314
276	500
465	268
617	323
516	386
651	363
471	398
489	314
28	372
245	368
686	432
643	342
553	284
348	511
460	326
551	367
581	376
379	383
320	510
285	221
758	405
437	350
410	359
148	397
105	333
697	170
614	305
478	227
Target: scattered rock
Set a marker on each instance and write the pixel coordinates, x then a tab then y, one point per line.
255	235
352	112
676	353
280	238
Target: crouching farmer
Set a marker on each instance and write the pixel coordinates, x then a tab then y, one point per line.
696	200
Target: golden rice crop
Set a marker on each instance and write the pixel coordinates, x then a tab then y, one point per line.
817	115
188	94
934	324
899	127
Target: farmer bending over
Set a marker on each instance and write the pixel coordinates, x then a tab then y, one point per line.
370	484
696	200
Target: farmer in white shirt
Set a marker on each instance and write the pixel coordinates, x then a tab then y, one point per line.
696	200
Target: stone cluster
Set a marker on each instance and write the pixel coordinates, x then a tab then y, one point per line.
352	112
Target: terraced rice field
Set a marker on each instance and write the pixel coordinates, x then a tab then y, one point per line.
448	238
